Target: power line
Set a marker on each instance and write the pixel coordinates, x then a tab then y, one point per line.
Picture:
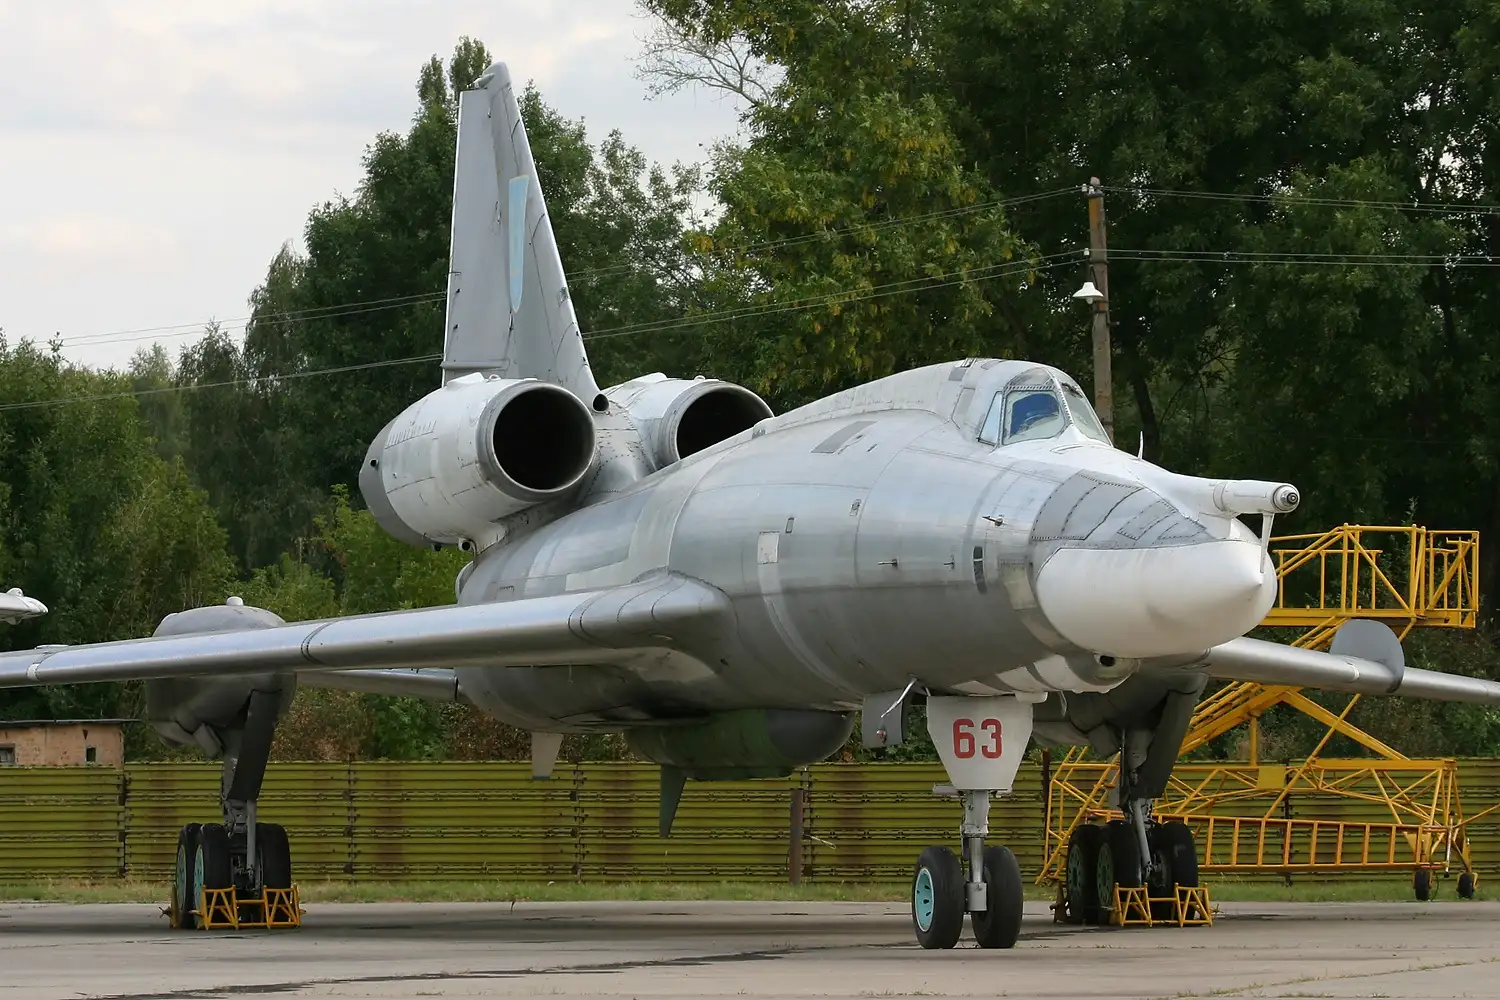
986	273
981	273
1439	207
399	301
877	226
33	404
949	279
1285	258
312	311
333	312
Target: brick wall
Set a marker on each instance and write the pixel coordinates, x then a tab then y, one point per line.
65	745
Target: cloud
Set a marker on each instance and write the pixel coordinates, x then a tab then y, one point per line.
182	143
92	239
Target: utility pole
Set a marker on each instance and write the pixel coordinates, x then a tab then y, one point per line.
1104	402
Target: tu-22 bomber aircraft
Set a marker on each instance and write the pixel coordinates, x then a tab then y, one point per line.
732	588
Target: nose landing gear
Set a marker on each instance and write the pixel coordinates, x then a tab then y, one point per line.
989	891
981	742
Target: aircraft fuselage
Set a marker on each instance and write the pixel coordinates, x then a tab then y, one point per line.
879	536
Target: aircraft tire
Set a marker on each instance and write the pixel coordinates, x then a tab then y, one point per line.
937	898
212	869
275	853
1119	864
183	902
1000	924
1177	858
1080	874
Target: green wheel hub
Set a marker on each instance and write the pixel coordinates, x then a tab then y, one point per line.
1104	878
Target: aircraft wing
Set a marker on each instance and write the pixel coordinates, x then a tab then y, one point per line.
1364	658
597	626
16	606
426	683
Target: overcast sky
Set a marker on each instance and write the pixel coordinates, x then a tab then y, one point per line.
154	154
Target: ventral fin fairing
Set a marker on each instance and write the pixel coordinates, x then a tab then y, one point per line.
509	311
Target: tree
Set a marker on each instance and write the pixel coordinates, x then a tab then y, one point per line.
345	335
154	381
1255	333
110	535
854	240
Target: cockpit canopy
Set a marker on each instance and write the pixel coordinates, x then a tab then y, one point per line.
1035	406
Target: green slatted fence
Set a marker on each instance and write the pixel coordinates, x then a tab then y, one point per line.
590	822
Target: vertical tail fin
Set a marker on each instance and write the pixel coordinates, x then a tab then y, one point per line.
509	312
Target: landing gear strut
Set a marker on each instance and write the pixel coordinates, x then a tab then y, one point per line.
989	890
1129	853
240	855
981	741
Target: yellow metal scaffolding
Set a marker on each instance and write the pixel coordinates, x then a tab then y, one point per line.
1382	813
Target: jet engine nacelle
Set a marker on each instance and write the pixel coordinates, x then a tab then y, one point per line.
678	417
202	711
475	451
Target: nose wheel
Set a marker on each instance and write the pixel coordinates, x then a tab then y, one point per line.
990	891
998	925
937	898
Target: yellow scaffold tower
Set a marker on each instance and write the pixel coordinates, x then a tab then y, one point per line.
1381	813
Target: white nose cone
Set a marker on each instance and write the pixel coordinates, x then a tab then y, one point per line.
1157	601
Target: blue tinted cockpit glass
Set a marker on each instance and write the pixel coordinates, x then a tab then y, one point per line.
1033	415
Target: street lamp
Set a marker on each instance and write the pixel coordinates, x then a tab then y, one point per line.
1089	293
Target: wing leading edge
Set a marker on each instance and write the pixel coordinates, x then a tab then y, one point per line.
1364	658
598	626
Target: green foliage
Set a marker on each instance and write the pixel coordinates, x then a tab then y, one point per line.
369	288
112	536
377	573
865	224
293	590
810	247
1381	375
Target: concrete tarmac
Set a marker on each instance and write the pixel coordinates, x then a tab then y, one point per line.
690	950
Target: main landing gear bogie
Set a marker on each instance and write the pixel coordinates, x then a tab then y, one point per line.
210	858
1103	858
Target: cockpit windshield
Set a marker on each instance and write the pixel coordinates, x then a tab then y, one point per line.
1028	414
1037	412
1032	415
1084	417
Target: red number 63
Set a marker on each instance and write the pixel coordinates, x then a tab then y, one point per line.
964	743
